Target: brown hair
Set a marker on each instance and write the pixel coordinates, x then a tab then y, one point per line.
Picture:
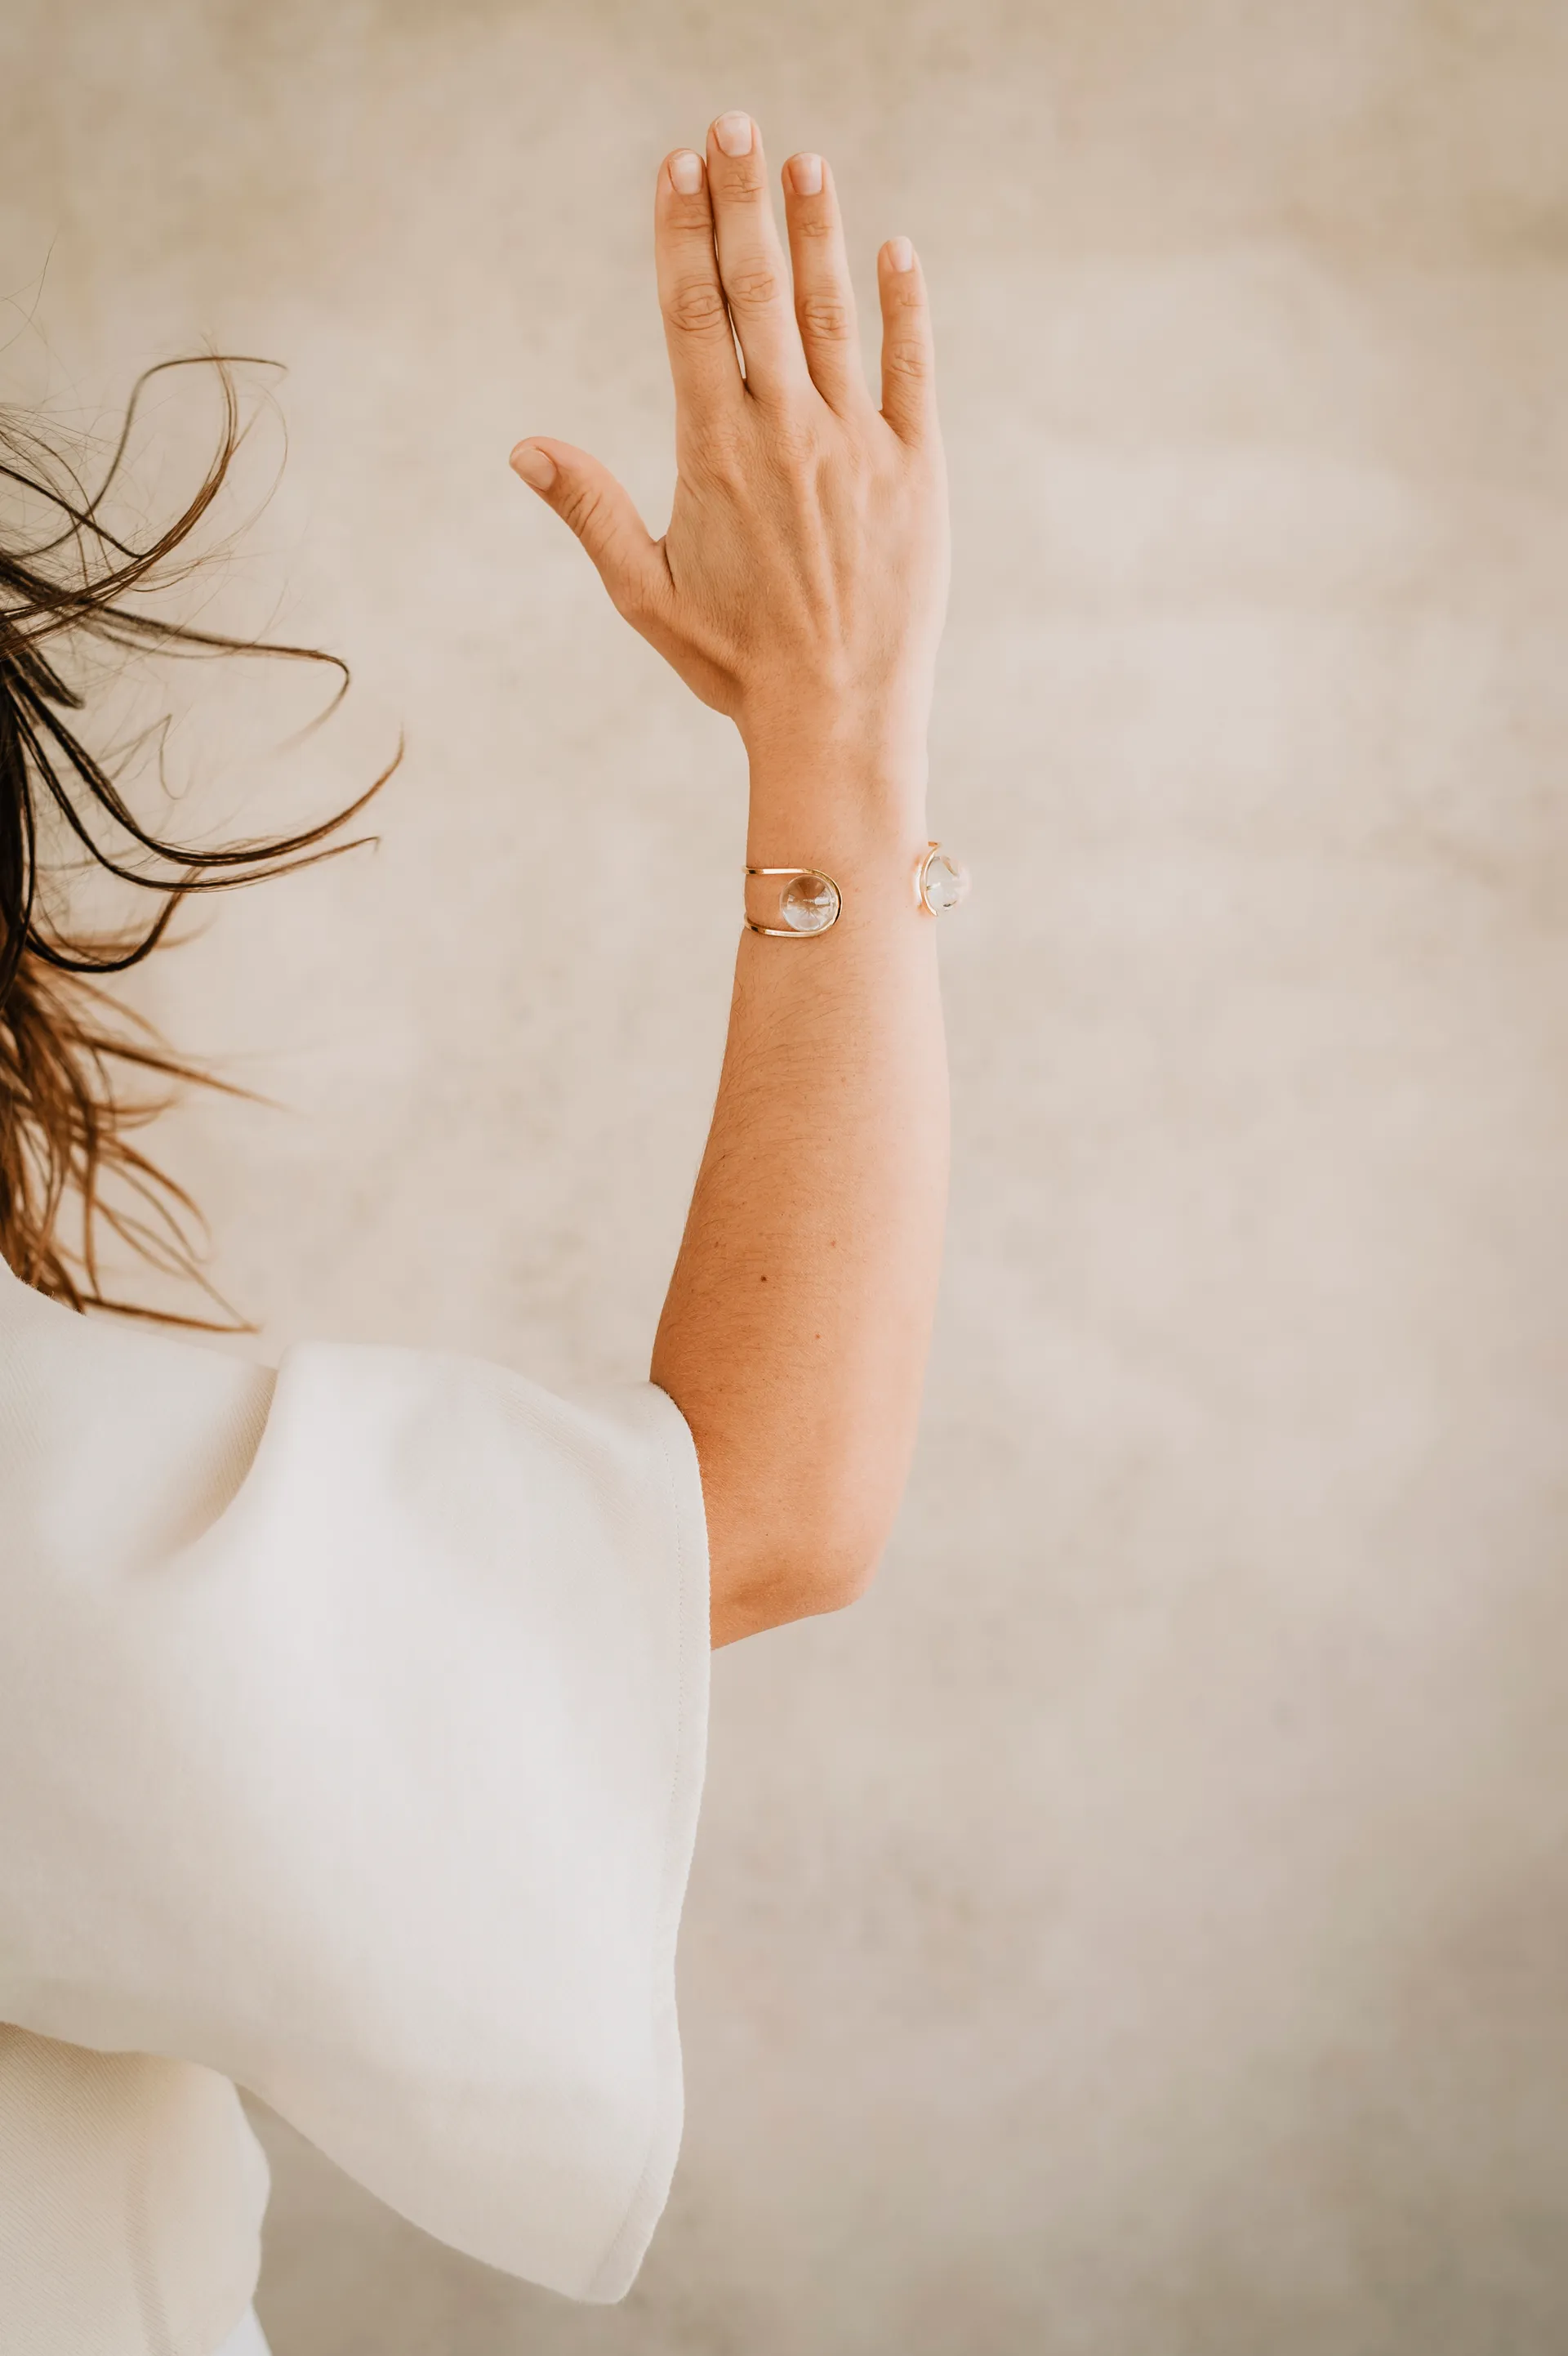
78	1076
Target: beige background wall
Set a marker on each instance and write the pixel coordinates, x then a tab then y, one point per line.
1142	1926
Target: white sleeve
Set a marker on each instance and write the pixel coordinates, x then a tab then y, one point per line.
378	1796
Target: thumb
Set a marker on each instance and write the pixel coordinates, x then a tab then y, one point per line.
587	496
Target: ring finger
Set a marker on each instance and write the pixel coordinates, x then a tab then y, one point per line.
824	296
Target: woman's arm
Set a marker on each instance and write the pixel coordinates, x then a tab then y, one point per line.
800	589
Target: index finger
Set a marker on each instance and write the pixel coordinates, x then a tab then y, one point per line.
702	343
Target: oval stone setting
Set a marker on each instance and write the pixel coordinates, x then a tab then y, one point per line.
809	903
944	880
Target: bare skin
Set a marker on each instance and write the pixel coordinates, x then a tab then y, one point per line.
800	589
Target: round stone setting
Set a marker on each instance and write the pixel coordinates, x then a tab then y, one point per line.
809	903
944	880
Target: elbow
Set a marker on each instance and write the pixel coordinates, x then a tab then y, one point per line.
754	1588
832	1577
794	1532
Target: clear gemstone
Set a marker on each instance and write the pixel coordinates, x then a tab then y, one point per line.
809	904
944	882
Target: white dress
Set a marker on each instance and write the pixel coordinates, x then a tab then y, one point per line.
352	1724
247	2339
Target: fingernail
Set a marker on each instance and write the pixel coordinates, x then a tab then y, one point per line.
805	175
900	253
686	173
535	465
733	133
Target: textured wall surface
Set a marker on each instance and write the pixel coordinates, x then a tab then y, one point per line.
1142	1924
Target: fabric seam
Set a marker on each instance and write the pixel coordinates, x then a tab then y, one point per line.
683	1577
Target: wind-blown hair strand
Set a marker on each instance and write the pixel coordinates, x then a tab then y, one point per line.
74	1068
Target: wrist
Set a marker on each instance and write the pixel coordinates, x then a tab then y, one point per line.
884	727
843	790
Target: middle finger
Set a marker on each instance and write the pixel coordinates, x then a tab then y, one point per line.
750	259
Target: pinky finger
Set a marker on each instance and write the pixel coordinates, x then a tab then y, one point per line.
908	387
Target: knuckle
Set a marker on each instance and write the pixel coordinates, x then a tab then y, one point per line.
739	175
787	434
581	507
719	455
688	215
753	283
794	448
695	308
627	597
813	225
824	317
909	357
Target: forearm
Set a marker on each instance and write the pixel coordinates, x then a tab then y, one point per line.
795	1334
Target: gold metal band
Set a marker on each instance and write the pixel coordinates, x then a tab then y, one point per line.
940	881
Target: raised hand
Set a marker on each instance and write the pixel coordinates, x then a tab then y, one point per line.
800	586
